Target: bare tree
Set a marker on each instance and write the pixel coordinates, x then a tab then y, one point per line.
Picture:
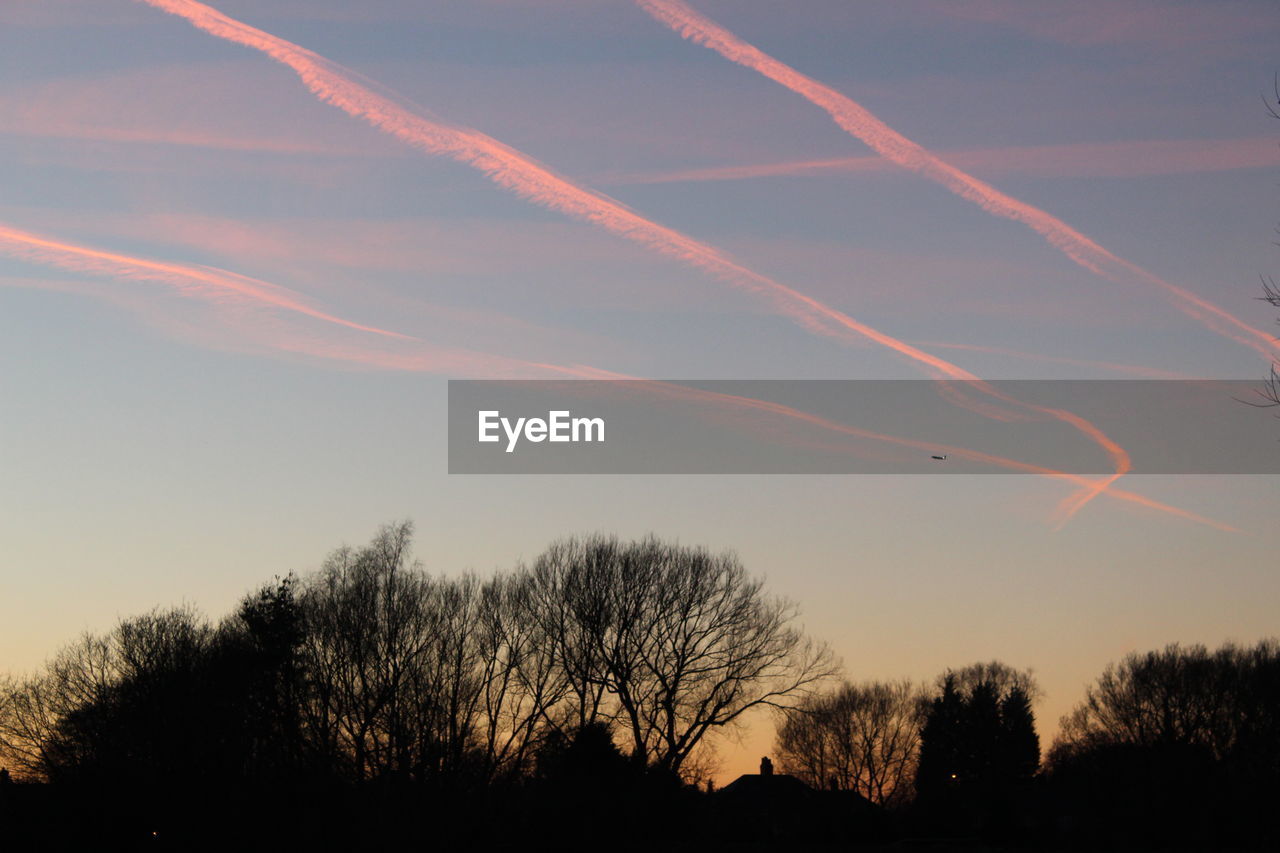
1270	391
413	675
857	737
523	683
997	675
369	628
97	705
1181	695
672	643
33	708
372	668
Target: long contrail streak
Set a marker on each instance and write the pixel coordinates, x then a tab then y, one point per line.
212	283
1088	159
521	174
524	176
222	287
1135	369
1089	486
888	143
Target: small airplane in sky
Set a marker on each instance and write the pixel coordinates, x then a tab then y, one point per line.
941	458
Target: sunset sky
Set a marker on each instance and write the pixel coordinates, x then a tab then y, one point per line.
239	260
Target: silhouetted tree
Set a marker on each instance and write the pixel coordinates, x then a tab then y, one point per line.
1270	391
670	643
978	749
393	662
1180	743
262	643
857	737
375	690
150	716
1019	743
587	757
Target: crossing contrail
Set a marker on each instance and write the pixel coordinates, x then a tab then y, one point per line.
225	288
1089	487
888	143
515	171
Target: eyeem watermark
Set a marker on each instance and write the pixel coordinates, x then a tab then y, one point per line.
557	426
855	427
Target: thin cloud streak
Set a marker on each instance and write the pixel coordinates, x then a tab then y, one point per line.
1133	369
208	283
441	360
1090	487
527	178
224	289
1127	159
888	143
182	138
514	171
221	288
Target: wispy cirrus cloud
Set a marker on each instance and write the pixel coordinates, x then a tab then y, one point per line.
888	143
250	306
262	313
38	14
1088	487
860	123
207	283
1023	355
169	136
189	106
402	268
1164	24
1126	159
518	173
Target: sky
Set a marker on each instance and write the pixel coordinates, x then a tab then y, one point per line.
237	267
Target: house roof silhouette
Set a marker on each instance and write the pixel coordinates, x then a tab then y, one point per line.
767	785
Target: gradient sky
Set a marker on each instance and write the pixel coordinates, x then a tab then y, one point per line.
183	430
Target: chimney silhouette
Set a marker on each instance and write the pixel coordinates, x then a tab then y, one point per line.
766	766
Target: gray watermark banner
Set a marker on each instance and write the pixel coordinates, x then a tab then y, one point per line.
860	427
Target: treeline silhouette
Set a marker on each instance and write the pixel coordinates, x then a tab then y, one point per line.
575	702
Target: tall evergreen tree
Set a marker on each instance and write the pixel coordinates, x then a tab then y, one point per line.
978	752
1020	748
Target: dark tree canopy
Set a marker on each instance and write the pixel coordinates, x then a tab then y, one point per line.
372	668
1176	743
979	750
372	704
857	737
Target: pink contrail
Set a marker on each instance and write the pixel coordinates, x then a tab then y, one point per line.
527	178
1090	487
224	288
211	283
1127	159
1136	370
514	171
221	287
888	143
